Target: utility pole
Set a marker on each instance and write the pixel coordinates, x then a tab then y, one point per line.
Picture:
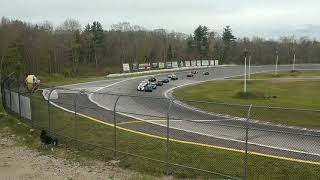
294	62
294	56
245	72
249	73
277	60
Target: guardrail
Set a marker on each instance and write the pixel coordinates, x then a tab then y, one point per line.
164	70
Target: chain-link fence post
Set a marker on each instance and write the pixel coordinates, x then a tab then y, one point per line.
49	111
3	93
19	101
168	136
31	110
246	144
115	128
10	98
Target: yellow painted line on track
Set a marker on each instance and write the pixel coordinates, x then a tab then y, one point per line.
199	144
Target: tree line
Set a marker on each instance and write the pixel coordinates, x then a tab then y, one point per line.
73	50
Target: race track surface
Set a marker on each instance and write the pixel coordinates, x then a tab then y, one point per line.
147	113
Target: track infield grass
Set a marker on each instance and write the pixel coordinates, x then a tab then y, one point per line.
290	90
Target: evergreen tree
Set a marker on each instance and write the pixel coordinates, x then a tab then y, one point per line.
87	28
98	37
227	35
228	39
201	40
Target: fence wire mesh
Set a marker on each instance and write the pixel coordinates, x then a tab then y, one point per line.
187	139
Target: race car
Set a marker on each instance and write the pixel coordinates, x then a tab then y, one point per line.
148	88
153	79
206	73
153	85
159	83
171	75
174	77
141	86
189	75
194	72
165	80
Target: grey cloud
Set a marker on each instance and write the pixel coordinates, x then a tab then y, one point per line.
247	17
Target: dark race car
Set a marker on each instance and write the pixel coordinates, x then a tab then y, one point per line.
148	88
153	85
152	79
190	75
159	83
206	73
165	80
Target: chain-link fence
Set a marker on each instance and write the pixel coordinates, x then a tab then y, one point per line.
188	139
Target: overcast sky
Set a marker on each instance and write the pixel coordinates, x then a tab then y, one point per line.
267	18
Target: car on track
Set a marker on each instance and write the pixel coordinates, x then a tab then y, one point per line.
206	73
174	77
141	86
165	80
171	75
148	88
145	82
153	79
189	75
159	83
194	72
153	85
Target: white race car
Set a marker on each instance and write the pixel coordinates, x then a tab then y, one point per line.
141	86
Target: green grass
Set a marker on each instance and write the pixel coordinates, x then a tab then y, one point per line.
284	74
58	79
272	92
210	159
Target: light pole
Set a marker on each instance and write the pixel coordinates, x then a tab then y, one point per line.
245	72
277	60
294	56
249	73
294	62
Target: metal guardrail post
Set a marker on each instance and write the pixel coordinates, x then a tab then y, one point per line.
246	145
168	136
115	127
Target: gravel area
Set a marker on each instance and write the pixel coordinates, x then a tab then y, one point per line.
21	162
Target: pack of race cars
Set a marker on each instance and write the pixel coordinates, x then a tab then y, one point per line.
148	85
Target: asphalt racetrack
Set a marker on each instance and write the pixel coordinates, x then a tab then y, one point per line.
147	113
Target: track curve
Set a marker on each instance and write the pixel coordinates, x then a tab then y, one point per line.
147	113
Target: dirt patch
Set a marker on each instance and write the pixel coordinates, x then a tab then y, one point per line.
21	162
